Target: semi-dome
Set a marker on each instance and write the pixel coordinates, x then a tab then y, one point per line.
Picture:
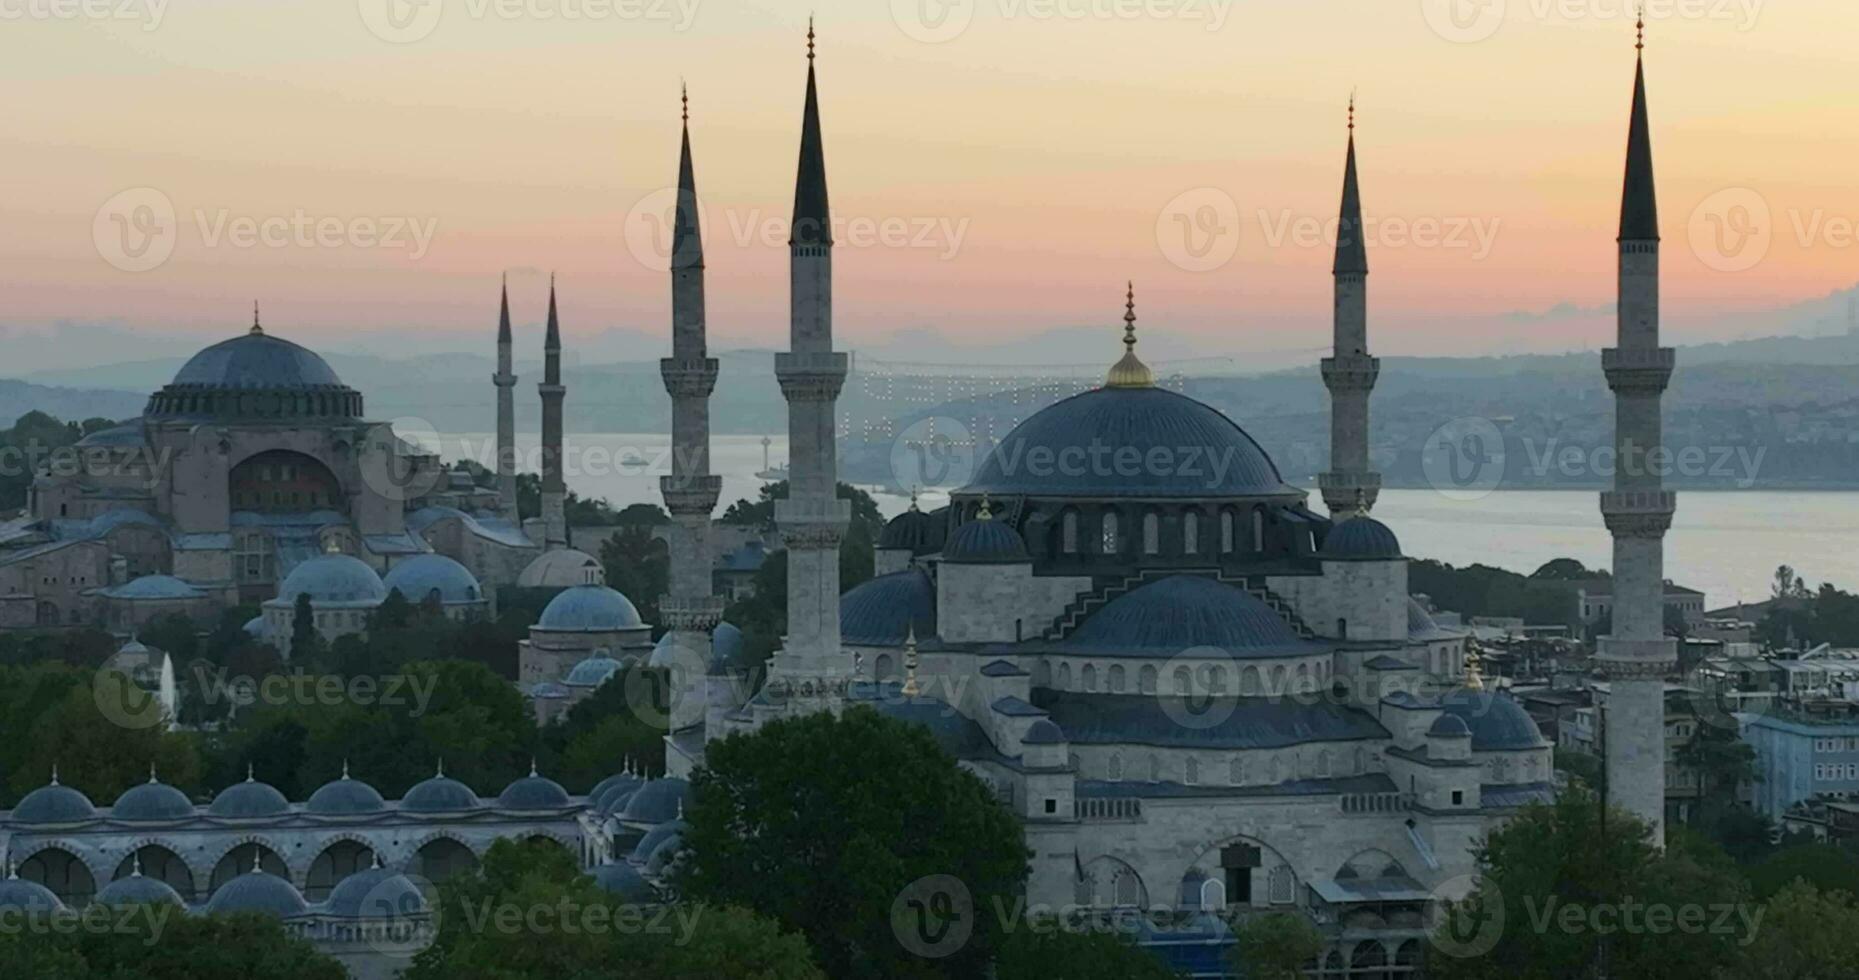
561	569
422	576
1079	448
622	880
613	801
882	611
1498	723
589	609
440	794
258	891
54	804
657	802
250	800
154	587
1043	732
725	645
375	893
533	792
617	779
1183	613
259	376
596	670
984	542
28	896
1360	538
913	531
656	837
1449	726
662	856
345	797
333	579
139	889
152	801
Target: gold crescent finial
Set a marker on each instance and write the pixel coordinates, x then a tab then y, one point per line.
1130	372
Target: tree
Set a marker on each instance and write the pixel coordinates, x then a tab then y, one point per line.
166	944
639	566
1827	867
174	634
1722	760
1787	584
1045	950
1276	946
1806	934
1565	570
103	751
305	641
822	822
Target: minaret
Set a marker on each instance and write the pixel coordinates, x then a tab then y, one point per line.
554	488
1350	487
812	519
690	611
1637	656
505	380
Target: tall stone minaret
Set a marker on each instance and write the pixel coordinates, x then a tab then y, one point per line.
505	380
1637	656
690	611
554	488
812	519
1350	486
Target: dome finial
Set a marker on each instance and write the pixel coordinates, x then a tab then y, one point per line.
914	509
911	689
986	513
257	331
809	38
532	767
135	865
1130	372
1361	501
151	774
251	774
684	90
345	768
257	856
440	772
1639	28
1474	671
54	774
1352	110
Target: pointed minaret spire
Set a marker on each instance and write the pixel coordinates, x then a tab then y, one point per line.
554	486
812	214
687	243
1639	204
1349	486
503	315
505	382
1351	250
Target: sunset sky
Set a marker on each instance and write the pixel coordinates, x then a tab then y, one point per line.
1004	165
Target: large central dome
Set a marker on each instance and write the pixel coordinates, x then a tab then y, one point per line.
1112	442
259	375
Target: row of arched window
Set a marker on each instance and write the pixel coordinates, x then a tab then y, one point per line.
1110	537
1240	769
341	404
1214	679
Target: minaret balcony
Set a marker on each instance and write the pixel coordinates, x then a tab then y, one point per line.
1350	372
689	377
698	614
1639	513
811	376
1638	369
810	522
1339	490
690	495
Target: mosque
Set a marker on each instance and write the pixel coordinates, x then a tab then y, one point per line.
1196	693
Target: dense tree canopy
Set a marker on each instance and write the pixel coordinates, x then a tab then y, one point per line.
164	944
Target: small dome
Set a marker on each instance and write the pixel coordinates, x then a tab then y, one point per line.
345	797
1360	538
619	778
257	891
624	881
725	646
664	854
422	575
533	792
376	893
255	627
1043	732
985	541
614	800
594	671
1183	612
28	896
333	580
125	436
563	568
152	802
1498	723
250	800
881	612
547	691
54	804
659	801
656	837
589	609
913	530
438	795
1449	726
150	588
139	889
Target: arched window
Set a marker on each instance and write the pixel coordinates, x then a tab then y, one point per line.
1236	772
1193	771
1278	681
1258	529
1042	673
1184	680
882	668
1152	534
1227	532
1065	677
1249	681
1282	886
1190	533
1089	675
1115	771
1116	678
1129	889
1068	532
1111	542
1323	764
1155	768
1216	680
1146	679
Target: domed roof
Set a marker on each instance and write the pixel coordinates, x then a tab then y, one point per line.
985	541
345	797
617	779
1043	732
914	530
255	627
725	645
657	802
152	801
333	579
1183	612
664	854
880	612
1360	538
533	792
249	800
29	896
139	889
623	880
594	671
150	587
376	893
260	364
589	609
656	837
440	794
257	891
561	569
54	804
128	434
422	575
1071	449
1497	721
1449	726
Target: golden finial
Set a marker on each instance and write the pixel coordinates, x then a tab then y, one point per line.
1130	372
1474	671
1352	110
685	96
1640	29
910	663
986	513
809	37
257	331
914	509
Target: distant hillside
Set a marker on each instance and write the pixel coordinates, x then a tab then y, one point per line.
73	404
